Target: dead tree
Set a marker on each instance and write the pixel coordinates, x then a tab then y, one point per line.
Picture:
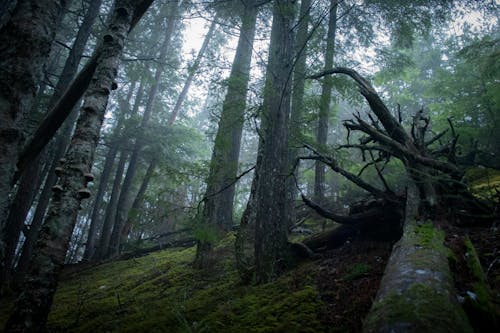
417	272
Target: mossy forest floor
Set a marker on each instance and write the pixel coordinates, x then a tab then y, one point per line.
161	292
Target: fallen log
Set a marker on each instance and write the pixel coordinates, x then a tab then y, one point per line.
186	242
417	293
381	221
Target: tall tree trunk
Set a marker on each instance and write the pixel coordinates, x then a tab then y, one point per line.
271	248
95	220
219	196
110	215
192	72
29	182
15	220
296	115
25	42
124	201
324	104
136	206
61	145
33	305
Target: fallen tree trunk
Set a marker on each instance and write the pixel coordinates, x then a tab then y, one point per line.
380	221
186	242
417	293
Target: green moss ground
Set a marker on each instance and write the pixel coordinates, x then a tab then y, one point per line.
161	292
483	181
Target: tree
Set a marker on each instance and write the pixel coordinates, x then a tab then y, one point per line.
124	203
31	179
219	196
271	227
415	263
325	100
25	42
34	303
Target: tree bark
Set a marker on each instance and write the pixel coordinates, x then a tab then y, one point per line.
324	104
124	203
271	247
25	42
61	145
219	196
95	220
33	305
31	178
296	113
136	206
56	115
110	215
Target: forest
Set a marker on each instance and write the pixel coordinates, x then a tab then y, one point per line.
249	166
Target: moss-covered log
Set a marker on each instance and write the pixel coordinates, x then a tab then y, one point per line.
478	304
417	291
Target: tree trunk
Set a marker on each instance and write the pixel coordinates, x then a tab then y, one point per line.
271	248
296	113
74	92
96	209
95	220
110	215
192	72
30	181
25	42
61	145
219	196
417	292
136	206
124	203
324	104
34	303
15	221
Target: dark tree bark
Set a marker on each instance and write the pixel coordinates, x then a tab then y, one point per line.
324	103
33	305
6	7
25	42
124	201
110	215
219	196
30	181
61	145
136	206
271	247
15	220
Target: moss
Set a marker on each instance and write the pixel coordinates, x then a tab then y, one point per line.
357	270
161	292
480	307
419	309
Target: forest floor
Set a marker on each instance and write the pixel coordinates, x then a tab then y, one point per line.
161	292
